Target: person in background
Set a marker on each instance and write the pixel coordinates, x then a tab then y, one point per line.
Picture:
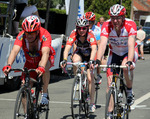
22	11
90	16
140	38
101	21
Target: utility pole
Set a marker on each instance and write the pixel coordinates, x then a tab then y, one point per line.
131	13
120	2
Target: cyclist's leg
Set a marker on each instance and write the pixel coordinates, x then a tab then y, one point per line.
129	82
90	77
76	58
46	79
112	59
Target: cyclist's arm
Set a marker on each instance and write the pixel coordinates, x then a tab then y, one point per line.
131	44
66	51
102	47
45	56
15	50
93	52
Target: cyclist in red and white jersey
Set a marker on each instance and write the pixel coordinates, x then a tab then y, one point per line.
120	32
36	44
85	50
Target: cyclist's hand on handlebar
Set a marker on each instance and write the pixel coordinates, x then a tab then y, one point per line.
63	63
40	70
6	69
130	64
98	62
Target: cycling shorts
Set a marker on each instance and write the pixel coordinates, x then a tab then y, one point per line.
84	55
116	59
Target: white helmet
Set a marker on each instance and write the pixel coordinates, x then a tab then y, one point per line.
81	22
117	10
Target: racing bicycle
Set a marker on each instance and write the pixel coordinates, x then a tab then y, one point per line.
80	92
27	106
121	108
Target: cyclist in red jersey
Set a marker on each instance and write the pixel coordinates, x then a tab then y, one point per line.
85	50
121	33
36	44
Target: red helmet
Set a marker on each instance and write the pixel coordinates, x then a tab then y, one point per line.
90	16
117	10
31	23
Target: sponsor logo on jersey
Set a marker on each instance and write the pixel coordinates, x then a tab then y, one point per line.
20	37
104	31
70	39
44	38
132	31
91	40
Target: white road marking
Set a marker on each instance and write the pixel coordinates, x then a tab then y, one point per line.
140	100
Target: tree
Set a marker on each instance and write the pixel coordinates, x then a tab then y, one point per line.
101	7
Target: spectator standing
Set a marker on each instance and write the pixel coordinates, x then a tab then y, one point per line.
22	11
140	38
101	21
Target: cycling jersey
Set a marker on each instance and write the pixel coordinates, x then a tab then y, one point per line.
32	60
119	45
97	31
85	47
44	40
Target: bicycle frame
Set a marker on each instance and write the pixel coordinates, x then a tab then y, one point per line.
79	72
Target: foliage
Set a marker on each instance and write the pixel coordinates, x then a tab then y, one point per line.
101	7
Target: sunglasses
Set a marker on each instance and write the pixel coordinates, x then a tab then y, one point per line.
83	28
117	18
30	33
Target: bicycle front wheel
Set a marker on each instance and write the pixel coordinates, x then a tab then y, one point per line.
96	92
75	99
23	105
43	111
110	109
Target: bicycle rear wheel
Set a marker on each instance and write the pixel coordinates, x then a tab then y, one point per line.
110	95
76	103
43	111
23	108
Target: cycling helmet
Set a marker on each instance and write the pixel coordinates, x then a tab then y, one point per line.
81	22
90	16
31	23
117	10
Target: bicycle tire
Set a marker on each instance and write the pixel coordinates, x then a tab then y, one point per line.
96	93
85	99
76	104
18	110
114	111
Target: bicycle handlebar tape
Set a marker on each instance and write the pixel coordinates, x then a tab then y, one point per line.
129	63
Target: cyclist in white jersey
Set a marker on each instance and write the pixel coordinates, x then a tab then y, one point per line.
120	32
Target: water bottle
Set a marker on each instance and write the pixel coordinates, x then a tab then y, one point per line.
33	96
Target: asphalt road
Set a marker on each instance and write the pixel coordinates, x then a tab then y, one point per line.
60	93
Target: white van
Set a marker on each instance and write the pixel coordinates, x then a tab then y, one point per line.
147	21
